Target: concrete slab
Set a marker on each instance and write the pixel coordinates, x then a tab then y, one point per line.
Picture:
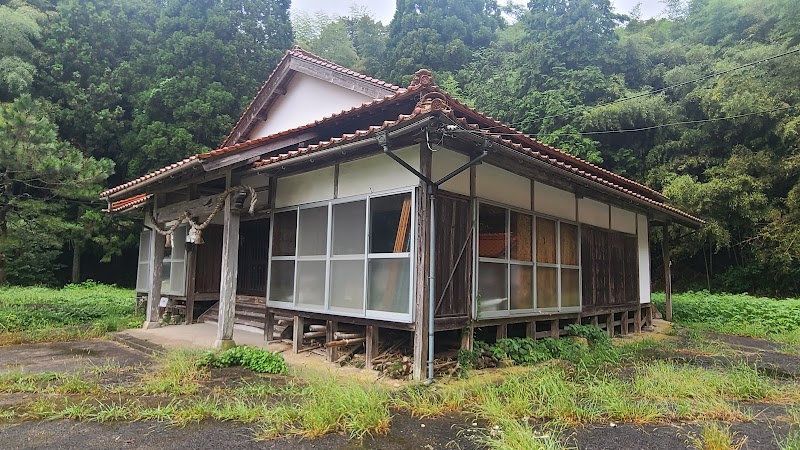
202	336
67	356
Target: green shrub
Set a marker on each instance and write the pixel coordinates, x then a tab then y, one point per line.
734	313
255	359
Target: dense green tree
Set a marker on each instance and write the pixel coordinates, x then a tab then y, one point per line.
38	171
437	34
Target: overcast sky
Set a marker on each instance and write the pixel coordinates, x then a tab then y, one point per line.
383	10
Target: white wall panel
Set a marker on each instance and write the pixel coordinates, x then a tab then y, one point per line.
553	201
623	220
377	173
255	181
593	212
304	188
307	99
644	259
445	162
494	183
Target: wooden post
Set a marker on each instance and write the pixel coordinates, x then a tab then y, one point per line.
421	272
594	320
530	330
269	325
157	242
623	323
372	345
610	324
637	320
667	274
502	331
468	338
297	339
230	264
191	275
330	332
554	329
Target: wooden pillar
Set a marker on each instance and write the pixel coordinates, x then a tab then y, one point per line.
421	270
649	316
297	338
330	336
269	325
667	274
502	331
372	345
610	324
230	264
530	330
191	275
623	323
593	320
637	320
468	338
157	242
554	329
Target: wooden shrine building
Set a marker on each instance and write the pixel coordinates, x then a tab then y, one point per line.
342	199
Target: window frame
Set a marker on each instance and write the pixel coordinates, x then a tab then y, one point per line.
509	262
366	257
145	244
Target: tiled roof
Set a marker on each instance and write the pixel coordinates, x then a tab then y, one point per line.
400	95
536	153
129	203
194	159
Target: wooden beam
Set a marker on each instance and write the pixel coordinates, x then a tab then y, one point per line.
623	323
637	320
200	207
191	275
667	273
242	156
227	287
372	345
468	338
610	324
421	266
502	331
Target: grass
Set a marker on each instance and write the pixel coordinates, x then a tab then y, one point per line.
714	436
790	442
177	373
82	311
740	314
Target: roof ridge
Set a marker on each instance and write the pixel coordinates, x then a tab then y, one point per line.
305	54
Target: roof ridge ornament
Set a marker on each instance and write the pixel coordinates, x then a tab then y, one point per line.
423	77
433	101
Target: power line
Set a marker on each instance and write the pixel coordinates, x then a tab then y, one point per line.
631	130
657	91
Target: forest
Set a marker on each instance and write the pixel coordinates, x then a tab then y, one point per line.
701	103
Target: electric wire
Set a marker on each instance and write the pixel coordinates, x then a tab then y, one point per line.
660	90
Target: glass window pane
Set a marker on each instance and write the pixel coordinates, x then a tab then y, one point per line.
492	232
390	224
570	287
521	287
521	237
349	222
281	283
142	274
144	246
313	232
389	285
569	244
347	284
177	280
166	269
311	283
546	287
545	241
284	232
179	244
492	287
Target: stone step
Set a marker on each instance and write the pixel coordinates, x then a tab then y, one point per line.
137	344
